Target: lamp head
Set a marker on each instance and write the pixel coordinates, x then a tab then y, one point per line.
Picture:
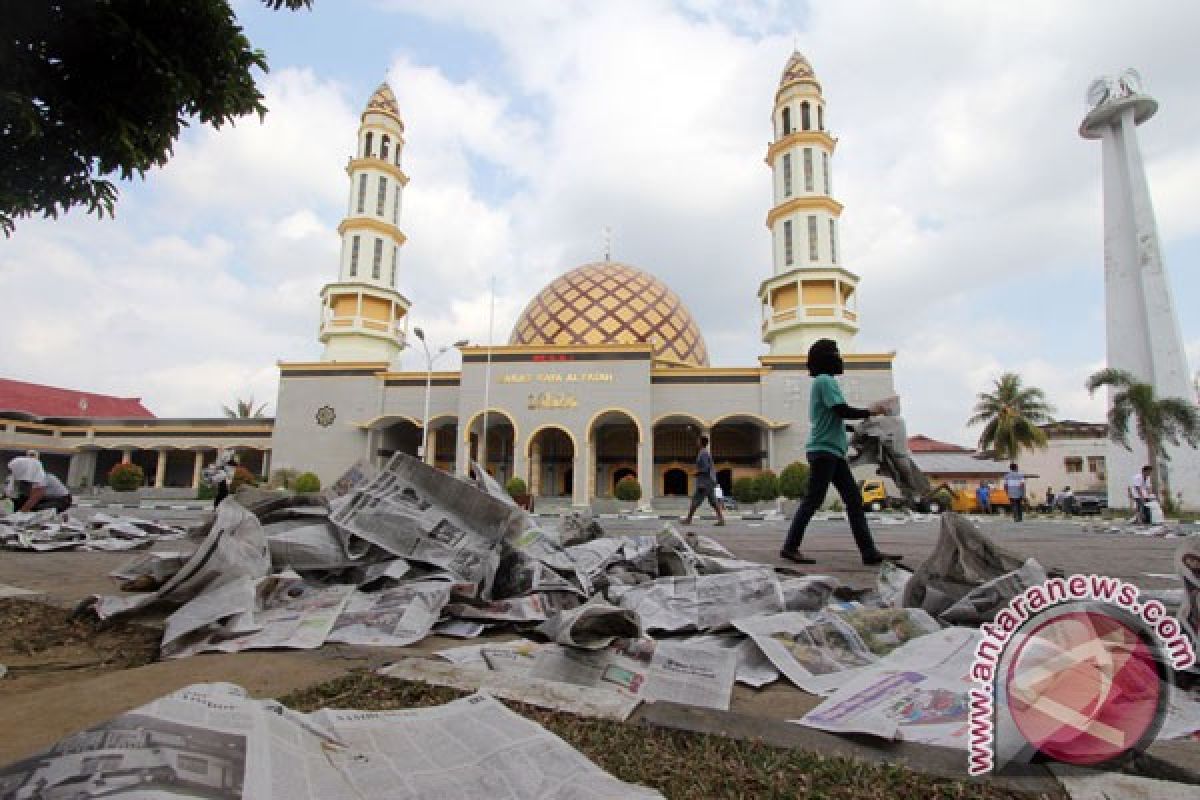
420	334
461	343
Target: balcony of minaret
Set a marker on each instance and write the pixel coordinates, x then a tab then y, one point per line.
360	309
817	297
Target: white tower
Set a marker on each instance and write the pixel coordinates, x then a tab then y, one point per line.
363	316
1143	331
810	295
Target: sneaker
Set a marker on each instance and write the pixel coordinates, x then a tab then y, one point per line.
720	523
879	558
796	557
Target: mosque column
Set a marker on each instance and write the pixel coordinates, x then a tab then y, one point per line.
431	445
160	468
535	468
645	470
197	469
520	464
266	463
581	475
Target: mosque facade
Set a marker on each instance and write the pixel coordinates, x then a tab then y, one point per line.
606	373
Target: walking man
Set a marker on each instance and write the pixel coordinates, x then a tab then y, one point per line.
1141	490
1014	485
706	483
826	452
984	497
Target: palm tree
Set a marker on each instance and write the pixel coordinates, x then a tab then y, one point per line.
244	409
1010	416
1158	419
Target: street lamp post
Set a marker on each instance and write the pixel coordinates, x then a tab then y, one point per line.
429	359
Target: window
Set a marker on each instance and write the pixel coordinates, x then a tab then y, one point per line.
820	118
362	193
1073	464
812	238
805	116
1096	465
353	256
808	169
395	250
833	241
377	261
825	172
787	241
787	121
787	174
397	154
381	198
396	208
367	145
384	143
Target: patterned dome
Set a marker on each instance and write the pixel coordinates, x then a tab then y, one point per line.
796	69
612	303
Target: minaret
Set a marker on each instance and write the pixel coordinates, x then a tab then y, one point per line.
363	316
810	295
1143	332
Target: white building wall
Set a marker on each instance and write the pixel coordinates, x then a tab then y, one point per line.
1050	467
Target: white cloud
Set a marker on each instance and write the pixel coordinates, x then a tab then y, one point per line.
958	162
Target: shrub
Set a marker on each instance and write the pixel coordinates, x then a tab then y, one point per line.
516	487
766	486
629	490
307	482
205	492
126	477
793	481
242	477
745	490
283	478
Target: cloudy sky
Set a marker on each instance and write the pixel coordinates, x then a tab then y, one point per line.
973	208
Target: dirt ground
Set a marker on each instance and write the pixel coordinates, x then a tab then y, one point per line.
44	646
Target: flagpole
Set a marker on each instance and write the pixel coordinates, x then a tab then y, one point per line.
487	373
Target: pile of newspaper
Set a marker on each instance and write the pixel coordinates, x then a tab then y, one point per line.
212	740
43	531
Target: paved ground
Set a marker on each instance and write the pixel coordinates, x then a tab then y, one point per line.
44	714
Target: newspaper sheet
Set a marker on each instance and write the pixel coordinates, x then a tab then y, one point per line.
820	651
576	527
709	602
420	513
585	701
753	667
962	559
392	617
517	655
592	626
531	608
592	557
314	544
234	548
470	749
918	693
645	668
286	612
982	603
157	566
211	740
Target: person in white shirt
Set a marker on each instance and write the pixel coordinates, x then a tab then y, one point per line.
1141	490
1014	486
35	488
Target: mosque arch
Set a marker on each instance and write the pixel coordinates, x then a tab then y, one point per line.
498	455
805	116
787	120
675	482
384	143
551	449
614	436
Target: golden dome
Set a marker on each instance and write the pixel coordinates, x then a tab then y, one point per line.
384	100
612	303
797	69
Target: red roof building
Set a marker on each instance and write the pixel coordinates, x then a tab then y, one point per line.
923	444
51	401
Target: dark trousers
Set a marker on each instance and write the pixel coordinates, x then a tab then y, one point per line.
826	468
222	493
1015	504
701	494
59	504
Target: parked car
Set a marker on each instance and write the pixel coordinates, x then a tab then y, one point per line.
1091	502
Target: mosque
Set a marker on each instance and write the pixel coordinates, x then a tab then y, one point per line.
605	374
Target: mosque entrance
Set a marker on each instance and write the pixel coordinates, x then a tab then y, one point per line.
675	483
402	436
500	439
614	438
551	454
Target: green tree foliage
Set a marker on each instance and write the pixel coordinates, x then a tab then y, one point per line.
628	490
766	486
1010	416
126	477
96	88
516	487
793	481
306	483
745	490
244	409
1158	420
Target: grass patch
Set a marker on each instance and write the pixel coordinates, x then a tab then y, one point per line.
677	763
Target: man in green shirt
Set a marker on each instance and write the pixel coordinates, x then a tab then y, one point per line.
826	452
